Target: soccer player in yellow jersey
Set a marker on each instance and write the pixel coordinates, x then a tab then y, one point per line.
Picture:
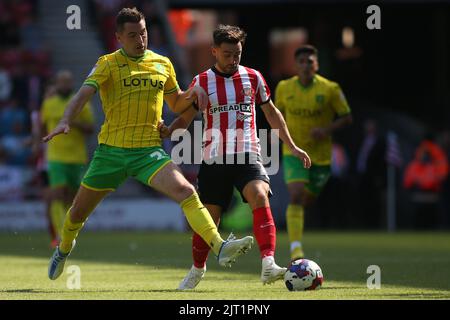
314	108
133	82
66	156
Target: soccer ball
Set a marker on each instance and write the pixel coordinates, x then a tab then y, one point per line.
303	274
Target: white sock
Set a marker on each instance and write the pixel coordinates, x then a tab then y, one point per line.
268	260
199	269
295	244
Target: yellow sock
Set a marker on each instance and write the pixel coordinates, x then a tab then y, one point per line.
201	222
295	221
67	207
69	232
57	215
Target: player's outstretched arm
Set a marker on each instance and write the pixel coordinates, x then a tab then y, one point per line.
180	101
181	122
74	107
276	121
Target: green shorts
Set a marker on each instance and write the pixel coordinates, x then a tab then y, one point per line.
314	178
62	174
111	166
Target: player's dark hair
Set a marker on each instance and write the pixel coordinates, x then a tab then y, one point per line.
308	49
128	15
228	34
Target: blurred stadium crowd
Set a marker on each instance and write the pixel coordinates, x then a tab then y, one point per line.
26	73
25	68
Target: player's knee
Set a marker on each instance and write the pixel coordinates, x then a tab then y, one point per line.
307	199
57	194
69	197
295	198
260	198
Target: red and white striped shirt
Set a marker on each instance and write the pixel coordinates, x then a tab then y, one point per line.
230	119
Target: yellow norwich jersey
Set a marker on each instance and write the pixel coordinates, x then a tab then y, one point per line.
70	148
309	107
132	92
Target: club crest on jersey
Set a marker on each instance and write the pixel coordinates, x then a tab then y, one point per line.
320	98
248	91
160	68
240	116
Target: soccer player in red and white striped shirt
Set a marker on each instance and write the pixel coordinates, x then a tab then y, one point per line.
235	93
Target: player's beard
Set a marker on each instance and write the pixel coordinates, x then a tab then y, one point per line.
232	69
228	69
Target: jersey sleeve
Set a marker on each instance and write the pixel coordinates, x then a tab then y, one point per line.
338	101
194	82
262	90
279	99
171	84
99	74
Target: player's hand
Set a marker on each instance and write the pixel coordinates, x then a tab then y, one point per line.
164	131
319	133
201	98
61	128
302	155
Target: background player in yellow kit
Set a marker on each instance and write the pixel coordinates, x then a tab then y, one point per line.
133	82
66	156
314	108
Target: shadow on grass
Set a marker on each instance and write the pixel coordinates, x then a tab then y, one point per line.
325	288
342	256
425	295
37	291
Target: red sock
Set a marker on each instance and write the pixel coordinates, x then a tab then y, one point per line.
265	231
200	251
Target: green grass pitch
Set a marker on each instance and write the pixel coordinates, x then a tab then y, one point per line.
150	265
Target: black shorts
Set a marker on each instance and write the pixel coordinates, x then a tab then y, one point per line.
216	181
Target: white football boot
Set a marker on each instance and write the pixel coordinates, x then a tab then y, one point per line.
232	248
270	271
193	278
57	261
